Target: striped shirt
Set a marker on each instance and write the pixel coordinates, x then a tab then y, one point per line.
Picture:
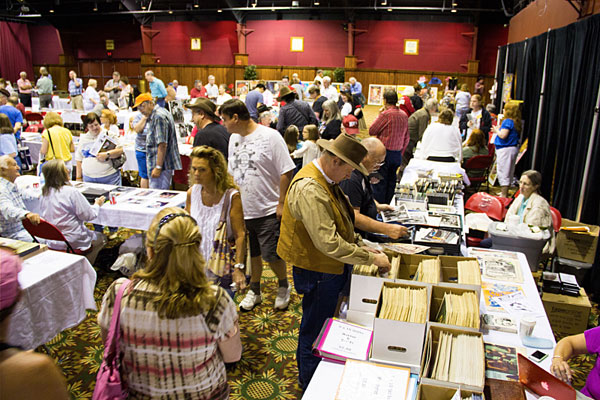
161	129
391	127
75	90
12	211
169	358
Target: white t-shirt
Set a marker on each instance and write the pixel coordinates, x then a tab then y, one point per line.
256	162
441	140
222	98
346	109
331	93
90	165
89	94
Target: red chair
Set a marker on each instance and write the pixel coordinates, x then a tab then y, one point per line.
478	167
46	230
556	219
491	149
33	117
486	203
182	176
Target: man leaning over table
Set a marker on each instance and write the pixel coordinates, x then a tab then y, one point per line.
162	150
75	91
157	88
12	208
317	238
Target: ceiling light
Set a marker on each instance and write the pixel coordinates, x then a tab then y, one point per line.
95	7
220	10
383	2
170	11
389	9
317	2
196	4
454	4
295	3
453	10
255	3
51	11
143	5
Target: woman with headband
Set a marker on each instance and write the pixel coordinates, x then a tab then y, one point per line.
177	329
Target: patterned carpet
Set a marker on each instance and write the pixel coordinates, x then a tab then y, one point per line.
267	370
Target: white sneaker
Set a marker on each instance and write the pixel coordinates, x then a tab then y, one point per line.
250	301
283	298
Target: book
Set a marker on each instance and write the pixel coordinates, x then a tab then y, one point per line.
103	143
20	248
340	340
363	380
501	362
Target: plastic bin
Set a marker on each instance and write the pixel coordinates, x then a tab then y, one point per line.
532	248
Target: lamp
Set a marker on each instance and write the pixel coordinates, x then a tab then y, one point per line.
95	6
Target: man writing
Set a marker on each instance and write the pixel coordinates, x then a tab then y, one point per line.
318	239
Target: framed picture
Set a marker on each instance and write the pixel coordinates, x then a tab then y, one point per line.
411	47
400	89
296	44
242	88
375	95
195	44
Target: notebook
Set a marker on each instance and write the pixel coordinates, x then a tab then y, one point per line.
340	340
542	382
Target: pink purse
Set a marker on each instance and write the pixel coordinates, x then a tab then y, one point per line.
108	380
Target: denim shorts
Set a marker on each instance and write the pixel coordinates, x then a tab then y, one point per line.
140	156
263	234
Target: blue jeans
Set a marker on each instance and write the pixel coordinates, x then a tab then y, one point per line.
140	156
320	297
114	179
163	181
384	190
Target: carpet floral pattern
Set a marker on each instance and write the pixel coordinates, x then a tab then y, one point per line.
267	370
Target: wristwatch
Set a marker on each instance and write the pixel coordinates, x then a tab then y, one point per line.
240	266
158	167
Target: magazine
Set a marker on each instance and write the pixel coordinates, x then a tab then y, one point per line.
103	143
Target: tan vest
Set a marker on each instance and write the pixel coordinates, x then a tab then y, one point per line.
295	245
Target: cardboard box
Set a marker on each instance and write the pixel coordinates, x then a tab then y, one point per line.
450	267
364	293
440	391
360	318
578	246
397	342
437	296
433	331
567	315
409	264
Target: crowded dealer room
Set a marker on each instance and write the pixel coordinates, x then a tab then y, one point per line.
299	199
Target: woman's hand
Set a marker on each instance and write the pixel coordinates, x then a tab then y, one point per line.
561	369
239	278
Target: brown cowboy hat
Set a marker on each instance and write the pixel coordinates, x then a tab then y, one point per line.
205	105
348	149
284	91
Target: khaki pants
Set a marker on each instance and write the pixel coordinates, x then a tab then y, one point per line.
77	102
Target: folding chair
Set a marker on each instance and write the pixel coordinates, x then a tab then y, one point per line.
477	169
46	230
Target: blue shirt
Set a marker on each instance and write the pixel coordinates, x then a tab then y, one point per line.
8	144
252	99
161	129
512	140
75	90
157	89
140	138
13	115
356	88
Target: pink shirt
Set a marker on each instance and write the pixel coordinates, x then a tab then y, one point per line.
21	83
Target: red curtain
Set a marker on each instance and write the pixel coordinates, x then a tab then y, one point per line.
15	51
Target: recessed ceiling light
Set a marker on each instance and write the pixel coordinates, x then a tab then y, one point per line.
453	10
389	9
219	10
95	7
51	11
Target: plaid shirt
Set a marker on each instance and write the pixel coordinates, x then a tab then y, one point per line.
12	209
161	129
391	127
75	90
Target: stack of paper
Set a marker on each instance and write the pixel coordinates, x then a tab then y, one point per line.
459	309
368	270
469	273
404	304
341	340
459	359
364	380
429	271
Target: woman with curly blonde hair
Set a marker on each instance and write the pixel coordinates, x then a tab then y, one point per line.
212	198
177	329
57	141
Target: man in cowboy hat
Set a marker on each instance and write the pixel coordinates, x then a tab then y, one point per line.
210	132
317	238
294	112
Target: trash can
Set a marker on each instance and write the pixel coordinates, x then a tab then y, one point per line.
532	248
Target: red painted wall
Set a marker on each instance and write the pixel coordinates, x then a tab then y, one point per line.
441	45
45	44
91	43
172	45
325	43
490	37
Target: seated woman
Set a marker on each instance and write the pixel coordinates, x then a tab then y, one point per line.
441	141
475	146
66	208
109	122
8	142
173	319
587	342
348	106
212	188
57	141
25	375
98	168
331	121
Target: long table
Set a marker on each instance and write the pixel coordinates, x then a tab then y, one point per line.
134	208
325	381
57	289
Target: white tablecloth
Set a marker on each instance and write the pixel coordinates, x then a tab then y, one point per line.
134	208
325	381
411	171
57	289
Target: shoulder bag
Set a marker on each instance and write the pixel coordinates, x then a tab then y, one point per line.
108	381
223	257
